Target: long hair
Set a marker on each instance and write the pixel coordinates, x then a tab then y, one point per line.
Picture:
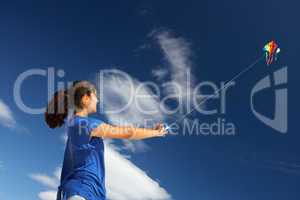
64	100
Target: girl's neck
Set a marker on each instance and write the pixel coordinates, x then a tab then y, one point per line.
82	113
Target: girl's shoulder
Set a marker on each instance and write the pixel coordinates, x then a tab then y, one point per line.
89	122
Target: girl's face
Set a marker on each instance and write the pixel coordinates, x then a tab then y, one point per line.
90	102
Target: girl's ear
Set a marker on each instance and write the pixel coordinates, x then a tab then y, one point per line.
85	99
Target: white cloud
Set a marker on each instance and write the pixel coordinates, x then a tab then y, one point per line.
178	53
160	73
51	182
135	146
7	119
47	195
179	84
123	92
6	116
287	167
120	172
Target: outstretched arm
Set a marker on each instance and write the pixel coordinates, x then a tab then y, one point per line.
127	132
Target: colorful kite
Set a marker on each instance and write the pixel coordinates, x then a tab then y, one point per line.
271	50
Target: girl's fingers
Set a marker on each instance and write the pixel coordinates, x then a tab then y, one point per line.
158	126
161	129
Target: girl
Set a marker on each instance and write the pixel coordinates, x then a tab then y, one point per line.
83	172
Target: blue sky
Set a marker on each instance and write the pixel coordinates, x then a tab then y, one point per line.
152	41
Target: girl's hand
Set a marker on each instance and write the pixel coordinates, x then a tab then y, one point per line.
161	130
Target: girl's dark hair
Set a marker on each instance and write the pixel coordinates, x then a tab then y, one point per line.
58	108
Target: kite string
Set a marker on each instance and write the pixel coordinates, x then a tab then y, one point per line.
225	85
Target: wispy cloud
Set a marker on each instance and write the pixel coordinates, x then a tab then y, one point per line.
47	195
48	181
287	167
135	146
8	120
119	172
176	72
160	73
6	116
123	93
178	54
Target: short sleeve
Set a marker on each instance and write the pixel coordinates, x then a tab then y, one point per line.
93	123
82	129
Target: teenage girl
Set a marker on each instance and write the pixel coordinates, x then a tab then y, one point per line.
83	171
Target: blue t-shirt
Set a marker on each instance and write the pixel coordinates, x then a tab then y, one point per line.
83	171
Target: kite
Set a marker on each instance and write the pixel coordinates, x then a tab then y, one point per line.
271	51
